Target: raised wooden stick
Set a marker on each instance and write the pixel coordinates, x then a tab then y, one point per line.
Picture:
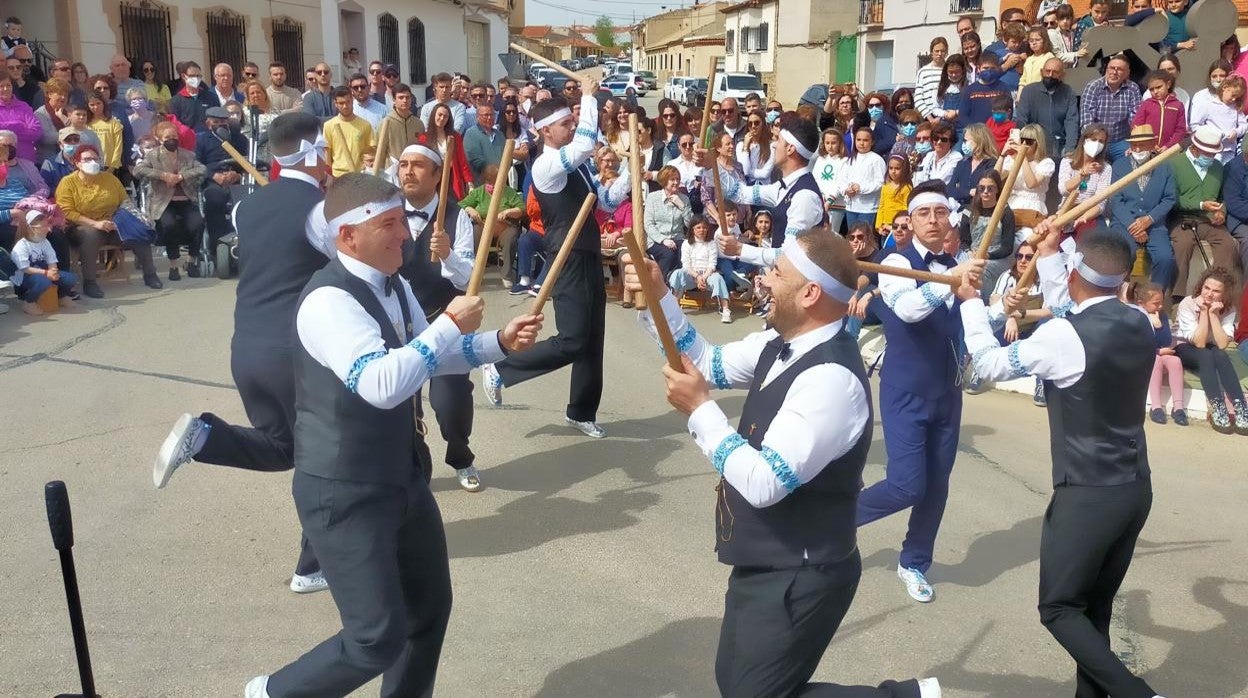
637	201
638	258
243	163
444	188
1003	197
916	274
553	65
706	106
548	286
382	153
491	216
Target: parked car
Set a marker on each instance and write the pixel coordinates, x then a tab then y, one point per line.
621	68
675	89
652	81
619	86
737	85
533	68
636	80
545	76
607	66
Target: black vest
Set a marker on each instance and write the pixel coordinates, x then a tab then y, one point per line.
428	285
275	260
815	523
780	214
337	434
1096	426
559	211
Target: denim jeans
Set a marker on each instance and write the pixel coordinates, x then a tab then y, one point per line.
34	285
681	280
529	244
734	271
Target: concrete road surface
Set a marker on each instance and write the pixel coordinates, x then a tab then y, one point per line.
585	568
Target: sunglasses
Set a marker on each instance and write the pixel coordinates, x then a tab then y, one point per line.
359	87
941	139
875	104
478	95
1024	257
755	123
773	111
146	69
569	88
374	72
251	76
321	72
509	112
1027	141
858	236
26	61
728	111
669	115
714	112
909	123
687	144
1050	25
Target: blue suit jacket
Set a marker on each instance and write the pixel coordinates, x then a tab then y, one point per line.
1130	203
1235	192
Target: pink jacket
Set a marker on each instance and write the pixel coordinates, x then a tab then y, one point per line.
18	117
1169	121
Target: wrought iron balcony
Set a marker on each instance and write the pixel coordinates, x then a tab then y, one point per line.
871	13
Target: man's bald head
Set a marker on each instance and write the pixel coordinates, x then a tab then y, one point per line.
1053	68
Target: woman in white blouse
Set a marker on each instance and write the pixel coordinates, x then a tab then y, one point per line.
1206	324
1027	200
831	160
687	165
756	152
860	179
928	79
1202	100
1085	172
942	160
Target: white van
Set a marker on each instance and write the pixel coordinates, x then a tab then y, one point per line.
737	86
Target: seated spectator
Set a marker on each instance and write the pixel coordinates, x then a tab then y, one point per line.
881	124
668	214
699	261
1031	188
1002	121
108	129
91	199
38	266
483	144
1235	196
190	104
975	223
1149	297
54	169
859	182
896	190
19	179
1205	99
1206	323
907	136
174	178
979	156
1140	212
18	117
1162	110
106	86
735	272
1085	173
1052	104
1224	114
954	78
1198	214
1062	37
223	173
52	118
157	91
510	210
1040	49
1028	304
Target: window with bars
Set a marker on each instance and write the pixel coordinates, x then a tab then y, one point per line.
288	46
760	40
416	51
728	43
227	39
388	38
744	45
146	35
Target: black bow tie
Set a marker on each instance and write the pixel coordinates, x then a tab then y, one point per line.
392	284
418	214
784	350
944	258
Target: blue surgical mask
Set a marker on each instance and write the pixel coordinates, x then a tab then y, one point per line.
967	148
1204	162
908	130
923	148
875	113
772	117
69	149
987	75
999	117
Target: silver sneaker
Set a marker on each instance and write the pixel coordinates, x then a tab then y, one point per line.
309	584
590	429
493	384
469	479
916	584
177	450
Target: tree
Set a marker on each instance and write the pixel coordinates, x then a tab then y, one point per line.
604	31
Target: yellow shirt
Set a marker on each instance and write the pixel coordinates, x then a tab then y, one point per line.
97	199
111	142
347	141
892	201
1031	70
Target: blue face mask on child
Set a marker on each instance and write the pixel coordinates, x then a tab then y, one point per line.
999	117
908	130
989	75
875	113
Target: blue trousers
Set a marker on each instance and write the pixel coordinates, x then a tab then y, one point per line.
921	437
1163	270
734	271
528	245
34	285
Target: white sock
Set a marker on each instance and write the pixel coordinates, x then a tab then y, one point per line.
525	281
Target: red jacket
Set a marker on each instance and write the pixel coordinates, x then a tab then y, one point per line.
1000	132
1169	121
461	176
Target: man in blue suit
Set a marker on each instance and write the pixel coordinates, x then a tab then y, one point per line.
1139	211
1235	196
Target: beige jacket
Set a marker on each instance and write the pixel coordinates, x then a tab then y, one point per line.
285	98
401	132
159	161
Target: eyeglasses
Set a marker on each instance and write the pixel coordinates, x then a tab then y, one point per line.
687	144
249	76
755	123
985	188
858	236
670	115
146	69
479	95
940	139
375	72
728	111
1024	257
569	88
321	72
359	87
1051	25
714	112
26	61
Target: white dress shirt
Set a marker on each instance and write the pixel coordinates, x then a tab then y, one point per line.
457	267
868	171
372	112
690	172
340	335
909	302
756	164
821	418
933	167
805	210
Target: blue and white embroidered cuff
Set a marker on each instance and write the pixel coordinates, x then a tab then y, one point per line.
1016	364
469	351
1062	310
587	133
568	167
756	195
431	359
782	471
930	296
717	369
724	449
685	341
353	376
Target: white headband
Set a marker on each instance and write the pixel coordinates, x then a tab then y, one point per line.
307	153
361	214
792	140
1093	276
553	118
418	149
927	198
797	257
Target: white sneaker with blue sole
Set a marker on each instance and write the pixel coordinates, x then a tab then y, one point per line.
916	584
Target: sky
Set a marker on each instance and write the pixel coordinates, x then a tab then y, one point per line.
621	12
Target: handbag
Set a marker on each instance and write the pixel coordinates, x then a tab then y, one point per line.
132	229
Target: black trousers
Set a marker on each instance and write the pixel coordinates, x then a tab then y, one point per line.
216	212
1086	546
383	551
777	624
450	396
266	384
668	258
1217	375
580	302
179	225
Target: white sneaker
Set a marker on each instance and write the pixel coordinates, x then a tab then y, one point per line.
590	429
929	688
725	316
916	584
469	479
309	584
177	450
493	384
257	688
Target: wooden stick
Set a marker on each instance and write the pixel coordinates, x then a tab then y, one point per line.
553	65
491	217
637	201
706	106
915	274
382	153
548	286
638	258
1003	197
444	188
243	163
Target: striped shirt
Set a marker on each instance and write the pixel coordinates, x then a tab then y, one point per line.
926	83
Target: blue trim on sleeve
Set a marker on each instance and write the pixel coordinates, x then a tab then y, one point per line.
1063	310
730	192
686	340
717	368
930	297
568	167
470	352
353	376
780	469
1016	364
591	135
725	448
755	195
431	360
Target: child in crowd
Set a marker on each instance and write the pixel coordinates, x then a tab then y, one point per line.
37	268
1149	296
735	271
1002	120
760	234
699	257
896	190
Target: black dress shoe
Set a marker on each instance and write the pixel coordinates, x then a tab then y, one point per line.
1158	415
1179	417
174	274
192	270
91	289
153	281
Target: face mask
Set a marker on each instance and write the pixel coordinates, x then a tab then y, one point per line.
989	75
923	148
193	83
69	151
875	113
91	167
999	117
1204	161
171	145
953	90
909	130
1093	148
1050	83
1215	83
1140	156
967	148
222	132
138	104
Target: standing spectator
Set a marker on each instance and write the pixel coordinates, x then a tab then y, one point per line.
1098	16
258	114
18	117
668	214
884	131
141	114
223	90
975	223
977	99
319	101
1032	186
653	156
906	144
1001	124
731	121
157	91
972	51
1012	58
438	132
1112	101
1170	64
282	97
52	117
896	190
365	107
108	129
347	136
1085	173
1226	115
1199	216
841	118
119	69
859	182
12	35
1041	48
24	86
174	177
1139	212
941	162
756	152
1177	37
953	80
442	89
725	153
1163	111
1149	298
830	160
107	88
80	82
1235	196
670	128
1206	322
928	80
389	76
483	145
187	105
351	63
979	156
1062	37
404	126
1206	98
1052	104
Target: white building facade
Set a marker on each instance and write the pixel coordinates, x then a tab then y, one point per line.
894	35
